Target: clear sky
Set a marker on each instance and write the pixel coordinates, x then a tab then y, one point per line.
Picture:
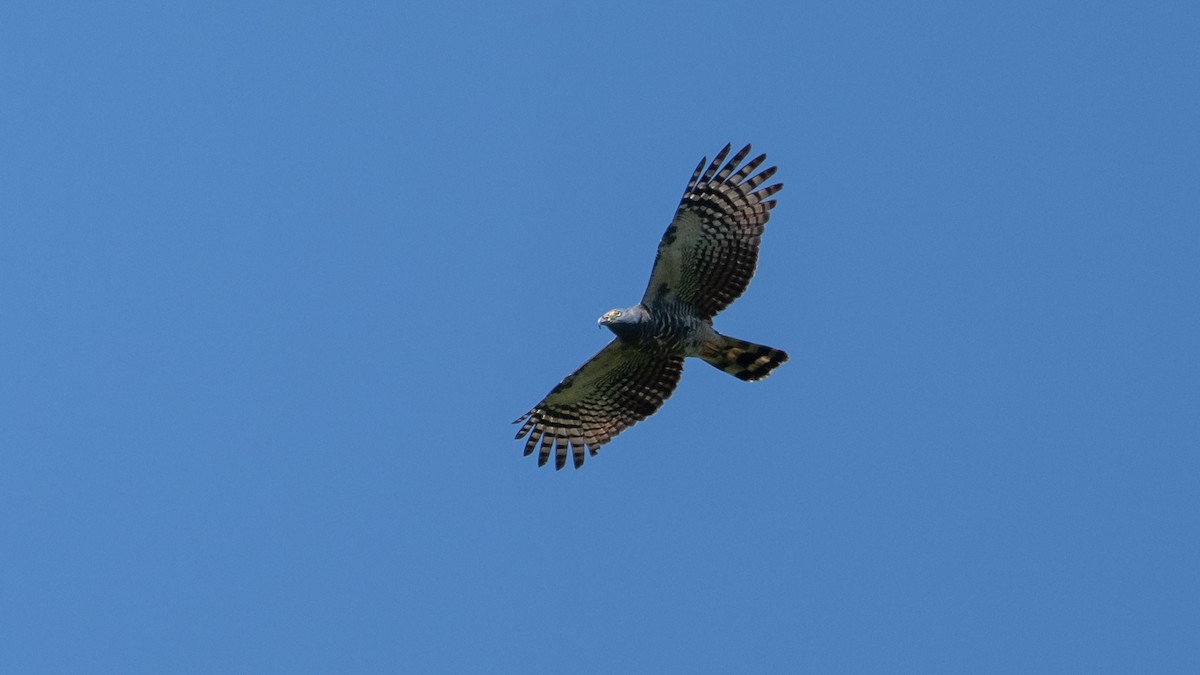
275	278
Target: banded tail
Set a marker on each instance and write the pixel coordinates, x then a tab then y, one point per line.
743	360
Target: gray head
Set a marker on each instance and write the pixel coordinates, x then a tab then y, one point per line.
623	322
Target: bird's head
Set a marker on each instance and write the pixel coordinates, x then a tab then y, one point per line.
621	321
610	317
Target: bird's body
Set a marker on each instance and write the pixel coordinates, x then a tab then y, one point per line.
705	260
657	328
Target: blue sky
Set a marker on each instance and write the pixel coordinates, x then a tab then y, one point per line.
276	277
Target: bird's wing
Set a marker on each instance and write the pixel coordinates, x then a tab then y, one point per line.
618	387
709	252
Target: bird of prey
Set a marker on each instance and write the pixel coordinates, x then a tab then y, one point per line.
705	261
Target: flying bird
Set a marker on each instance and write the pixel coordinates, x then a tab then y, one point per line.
705	261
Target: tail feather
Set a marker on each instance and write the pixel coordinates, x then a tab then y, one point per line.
744	360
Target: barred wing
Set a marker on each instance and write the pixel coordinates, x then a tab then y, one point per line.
617	388
710	250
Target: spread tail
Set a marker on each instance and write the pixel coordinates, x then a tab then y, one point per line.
741	359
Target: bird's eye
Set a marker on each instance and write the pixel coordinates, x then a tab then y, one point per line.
616	313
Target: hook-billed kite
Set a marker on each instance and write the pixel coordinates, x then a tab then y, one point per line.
705	261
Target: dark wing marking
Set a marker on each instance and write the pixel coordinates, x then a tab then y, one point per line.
617	388
710	250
